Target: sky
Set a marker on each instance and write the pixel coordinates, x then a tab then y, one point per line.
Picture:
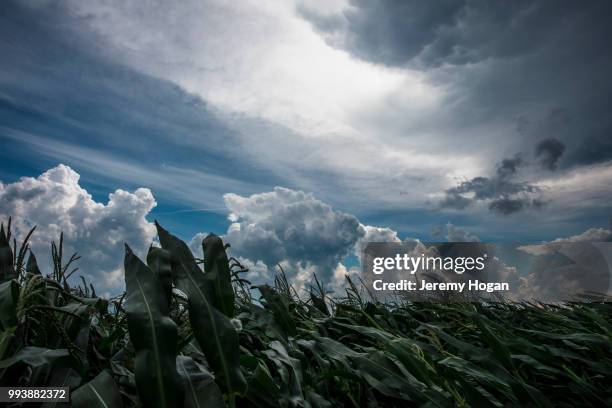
299	129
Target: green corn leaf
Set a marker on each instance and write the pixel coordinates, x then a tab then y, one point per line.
278	304
289	369
213	330
316	400
372	332
158	260
35	357
101	392
490	381
62	377
319	303
6	339
404	351
335	350
592	339
499	348
32	265
201	391
7	270
217	273
535	364
153	334
263	390
381	373
9	295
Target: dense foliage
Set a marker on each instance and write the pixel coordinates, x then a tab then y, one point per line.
187	332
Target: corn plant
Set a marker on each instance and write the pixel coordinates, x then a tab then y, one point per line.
192	332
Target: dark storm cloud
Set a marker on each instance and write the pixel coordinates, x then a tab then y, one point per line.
506	205
549	151
394	32
596	148
501	191
455	200
391	32
508	167
487	188
547	61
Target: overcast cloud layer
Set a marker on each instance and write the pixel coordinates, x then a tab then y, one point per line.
455	119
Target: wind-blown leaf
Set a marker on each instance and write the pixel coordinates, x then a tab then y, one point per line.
492	382
153	334
9	293
217	273
335	350
213	330
499	348
319	303
32	265
387	377
263	391
35	356
404	351
289	369
158	260
201	391
6	339
7	270
101	392
360	353
278	304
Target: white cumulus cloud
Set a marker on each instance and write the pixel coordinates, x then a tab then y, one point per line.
291	228
297	231
55	202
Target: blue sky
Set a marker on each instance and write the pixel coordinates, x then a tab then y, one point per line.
402	116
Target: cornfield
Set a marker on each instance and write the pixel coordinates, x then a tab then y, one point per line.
189	332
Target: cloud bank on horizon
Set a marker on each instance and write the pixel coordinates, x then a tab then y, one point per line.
287	228
281	227
403	115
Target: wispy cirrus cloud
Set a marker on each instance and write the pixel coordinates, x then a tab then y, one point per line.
183	185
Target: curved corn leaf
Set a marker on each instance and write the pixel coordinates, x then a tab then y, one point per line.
32	265
153	334
499	348
263	390
404	351
318	301
289	368
316	400
278	304
101	392
213	330
465	369
201	391
9	295
35	356
7	270
217	273
62	377
6	339
158	260
389	377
